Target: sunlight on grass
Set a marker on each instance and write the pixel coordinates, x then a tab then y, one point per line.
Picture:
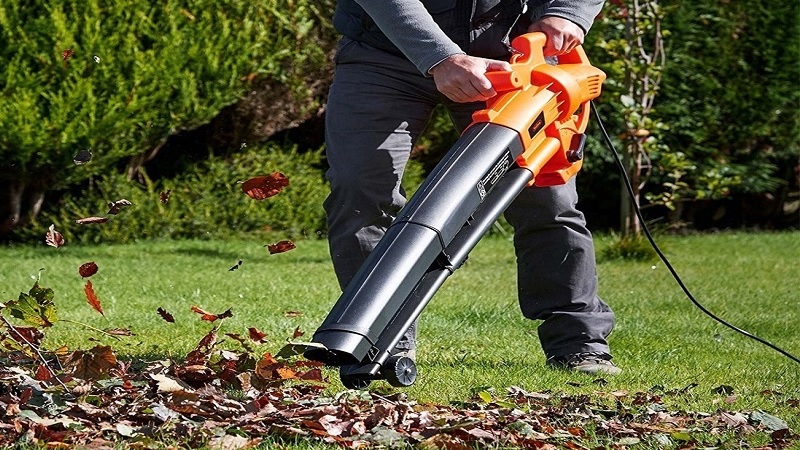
472	335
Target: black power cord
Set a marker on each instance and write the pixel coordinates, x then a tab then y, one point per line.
672	270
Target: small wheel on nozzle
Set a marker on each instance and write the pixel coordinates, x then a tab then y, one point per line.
400	371
352	382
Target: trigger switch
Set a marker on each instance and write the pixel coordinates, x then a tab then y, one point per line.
575	152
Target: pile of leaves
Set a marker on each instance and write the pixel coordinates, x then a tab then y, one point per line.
222	398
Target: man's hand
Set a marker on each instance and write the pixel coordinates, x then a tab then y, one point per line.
563	35
462	78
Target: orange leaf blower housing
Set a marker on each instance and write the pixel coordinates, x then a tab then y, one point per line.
553	139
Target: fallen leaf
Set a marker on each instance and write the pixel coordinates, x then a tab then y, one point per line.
114	207
26	335
36	307
91	297
280	247
82	157
93	364
90	220
164	196
87	269
165	315
260	188
43	373
53	238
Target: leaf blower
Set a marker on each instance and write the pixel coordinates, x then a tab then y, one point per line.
530	133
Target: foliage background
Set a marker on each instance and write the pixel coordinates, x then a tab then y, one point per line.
187	90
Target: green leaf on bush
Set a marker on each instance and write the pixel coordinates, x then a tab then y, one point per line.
36	307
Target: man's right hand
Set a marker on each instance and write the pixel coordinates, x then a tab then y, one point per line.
462	78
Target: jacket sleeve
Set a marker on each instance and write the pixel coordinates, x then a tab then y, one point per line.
412	29
581	12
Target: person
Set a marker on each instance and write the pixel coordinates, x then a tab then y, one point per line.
396	61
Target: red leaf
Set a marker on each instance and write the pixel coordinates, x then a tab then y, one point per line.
259	188
297	333
90	220
165	315
53	238
280	247
164	196
91	297
256	335
42	373
88	269
26	335
67	54
205	315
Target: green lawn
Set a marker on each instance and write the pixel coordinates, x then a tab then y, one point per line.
472	336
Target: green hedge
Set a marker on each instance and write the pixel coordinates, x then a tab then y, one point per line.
119	77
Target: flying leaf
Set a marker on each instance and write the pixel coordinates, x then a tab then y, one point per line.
119	331
259	188
165	315
292	314
164	196
93	364
205	315
114	207
91	297
87	269
236	266
297	333
256	335
53	238
36	307
82	157
67	54
280	247
90	220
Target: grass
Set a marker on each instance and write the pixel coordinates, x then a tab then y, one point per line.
472	335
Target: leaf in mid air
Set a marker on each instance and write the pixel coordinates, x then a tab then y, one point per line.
205	315
165	315
280	247
91	297
164	196
90	220
256	335
114	207
260	188
53	238
87	269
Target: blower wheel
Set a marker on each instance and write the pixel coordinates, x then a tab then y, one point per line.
400	371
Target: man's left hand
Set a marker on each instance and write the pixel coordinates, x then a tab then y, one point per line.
563	35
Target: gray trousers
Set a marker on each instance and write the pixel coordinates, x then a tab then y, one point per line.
377	107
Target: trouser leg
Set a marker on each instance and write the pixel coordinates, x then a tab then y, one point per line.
377	107
556	271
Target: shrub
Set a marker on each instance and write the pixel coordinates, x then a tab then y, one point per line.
119	77
204	201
